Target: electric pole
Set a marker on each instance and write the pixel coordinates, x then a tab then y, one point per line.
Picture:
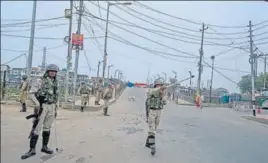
252	61
264	72
109	70
68	14
200	67
30	54
190	72
77	51
98	71
44	59
211	78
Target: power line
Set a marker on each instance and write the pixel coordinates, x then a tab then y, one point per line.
147	49
164	54
57	25
211	43
155	41
47	38
193	22
14	59
234	33
28	22
176	31
25	51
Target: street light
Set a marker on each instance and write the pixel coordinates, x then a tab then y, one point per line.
109	70
106	34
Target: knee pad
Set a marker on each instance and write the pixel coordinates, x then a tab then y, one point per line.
151	139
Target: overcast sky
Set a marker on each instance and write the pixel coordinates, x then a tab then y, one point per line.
182	39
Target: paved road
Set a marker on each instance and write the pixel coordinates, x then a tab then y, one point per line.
185	135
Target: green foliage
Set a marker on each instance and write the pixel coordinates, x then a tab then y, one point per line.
245	83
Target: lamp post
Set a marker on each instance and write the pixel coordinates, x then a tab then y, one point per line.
106	35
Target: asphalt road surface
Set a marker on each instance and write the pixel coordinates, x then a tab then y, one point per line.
185	135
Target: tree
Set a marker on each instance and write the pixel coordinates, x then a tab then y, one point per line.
245	83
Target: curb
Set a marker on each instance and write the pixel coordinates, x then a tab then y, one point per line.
256	119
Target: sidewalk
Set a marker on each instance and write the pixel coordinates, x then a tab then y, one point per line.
183	102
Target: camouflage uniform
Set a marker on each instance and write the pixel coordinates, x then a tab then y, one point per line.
146	106
106	96
44	95
84	92
155	104
23	93
99	92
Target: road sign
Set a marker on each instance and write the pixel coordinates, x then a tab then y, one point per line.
77	41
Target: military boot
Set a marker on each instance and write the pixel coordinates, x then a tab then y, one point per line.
105	111
23	107
45	149
147	143
31	152
82	109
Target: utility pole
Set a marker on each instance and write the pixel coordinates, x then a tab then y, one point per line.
30	54
69	50
105	42
98	71
175	73
252	61
200	67
44	59
77	52
109	70
211	78
264	72
190	72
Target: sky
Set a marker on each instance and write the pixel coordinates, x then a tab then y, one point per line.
144	28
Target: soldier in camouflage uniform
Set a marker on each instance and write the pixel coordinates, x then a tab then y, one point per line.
106	96
84	92
44	95
155	104
23	93
99	92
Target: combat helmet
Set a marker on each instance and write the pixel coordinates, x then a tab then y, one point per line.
158	82
24	77
52	67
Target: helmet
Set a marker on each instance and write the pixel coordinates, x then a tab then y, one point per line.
52	67
158	82
100	80
82	82
24	77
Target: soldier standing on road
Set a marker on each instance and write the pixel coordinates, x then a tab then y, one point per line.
84	92
99	91
44	95
23	93
106	96
156	102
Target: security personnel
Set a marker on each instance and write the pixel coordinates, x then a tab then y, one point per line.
106	96
44	95
84	92
99	92
156	102
23	93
